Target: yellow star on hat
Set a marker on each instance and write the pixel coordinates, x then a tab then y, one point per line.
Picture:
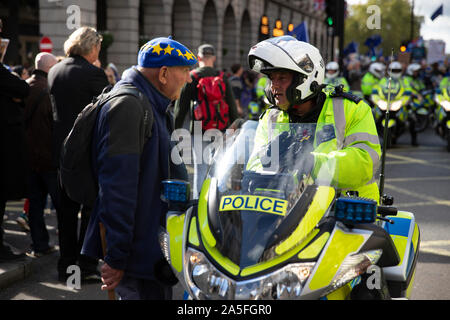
157	49
168	49
189	55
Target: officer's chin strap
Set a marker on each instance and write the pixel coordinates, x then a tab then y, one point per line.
317	90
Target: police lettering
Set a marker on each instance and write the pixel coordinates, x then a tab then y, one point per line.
253	203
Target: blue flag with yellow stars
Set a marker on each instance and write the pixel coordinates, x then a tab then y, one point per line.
163	51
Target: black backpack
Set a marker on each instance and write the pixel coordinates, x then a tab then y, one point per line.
76	173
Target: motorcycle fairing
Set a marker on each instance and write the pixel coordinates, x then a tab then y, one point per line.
311	245
405	234
342	243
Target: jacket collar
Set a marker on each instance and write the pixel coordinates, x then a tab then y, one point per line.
39	73
156	98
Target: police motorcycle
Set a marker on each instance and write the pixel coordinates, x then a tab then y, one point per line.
422	103
399	113
270	224
442	114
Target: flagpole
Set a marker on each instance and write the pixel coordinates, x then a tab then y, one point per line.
412	21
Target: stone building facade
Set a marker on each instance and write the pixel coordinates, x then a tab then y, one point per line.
233	26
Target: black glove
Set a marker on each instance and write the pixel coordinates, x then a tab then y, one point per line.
284	143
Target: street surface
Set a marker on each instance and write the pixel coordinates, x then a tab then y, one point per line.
417	177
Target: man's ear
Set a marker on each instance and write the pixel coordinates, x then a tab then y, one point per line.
162	75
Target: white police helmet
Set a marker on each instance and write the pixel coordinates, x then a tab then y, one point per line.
287	53
332	66
413	67
377	69
395	70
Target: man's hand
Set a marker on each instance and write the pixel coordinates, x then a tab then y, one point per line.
110	277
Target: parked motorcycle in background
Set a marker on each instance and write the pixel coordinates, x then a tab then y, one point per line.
442	115
400	118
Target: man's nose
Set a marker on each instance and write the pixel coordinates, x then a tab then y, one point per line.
188	78
275	84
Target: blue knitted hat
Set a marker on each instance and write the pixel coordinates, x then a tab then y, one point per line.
162	51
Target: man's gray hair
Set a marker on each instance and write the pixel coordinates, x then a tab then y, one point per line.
82	41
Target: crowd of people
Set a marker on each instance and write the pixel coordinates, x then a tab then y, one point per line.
39	109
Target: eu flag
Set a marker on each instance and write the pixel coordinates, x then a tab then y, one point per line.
438	12
301	32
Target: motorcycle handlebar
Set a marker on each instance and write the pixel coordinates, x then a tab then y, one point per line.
387	211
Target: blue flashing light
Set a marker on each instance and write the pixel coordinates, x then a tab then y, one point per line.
355	210
176	191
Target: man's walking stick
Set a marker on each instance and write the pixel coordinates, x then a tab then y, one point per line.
111	294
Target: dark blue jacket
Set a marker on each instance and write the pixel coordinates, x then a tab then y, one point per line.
128	202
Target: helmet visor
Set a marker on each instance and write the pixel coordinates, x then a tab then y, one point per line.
259	65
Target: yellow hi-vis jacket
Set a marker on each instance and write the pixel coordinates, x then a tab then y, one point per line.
350	154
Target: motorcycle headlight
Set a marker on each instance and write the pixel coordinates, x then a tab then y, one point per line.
382	104
203	278
352	267
206	282
446	105
396	105
163	239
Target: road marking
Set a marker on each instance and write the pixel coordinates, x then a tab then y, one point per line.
418	161
394	162
430	243
417	179
433	246
410	193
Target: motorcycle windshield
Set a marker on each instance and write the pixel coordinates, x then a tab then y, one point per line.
261	184
394	90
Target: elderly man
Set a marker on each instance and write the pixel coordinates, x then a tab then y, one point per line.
205	76
73	83
43	176
129	175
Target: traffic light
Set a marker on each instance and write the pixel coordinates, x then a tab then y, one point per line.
290	27
263	28
278	30
404	46
330	11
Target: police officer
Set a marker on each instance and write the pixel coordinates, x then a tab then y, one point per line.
296	71
403	91
332	77
371	78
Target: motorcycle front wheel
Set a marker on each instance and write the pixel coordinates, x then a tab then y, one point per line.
421	122
448	140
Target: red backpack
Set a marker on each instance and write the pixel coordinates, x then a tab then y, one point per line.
211	107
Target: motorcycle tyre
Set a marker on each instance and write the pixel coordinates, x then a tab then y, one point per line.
448	140
421	123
